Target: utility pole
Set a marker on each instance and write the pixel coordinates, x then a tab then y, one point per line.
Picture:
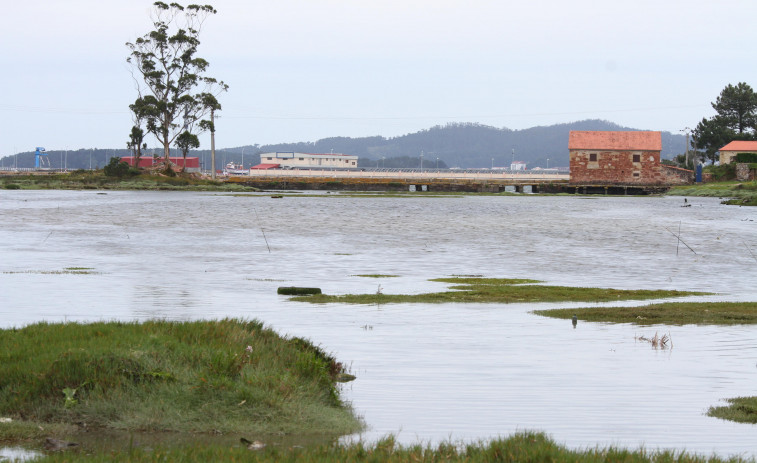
212	144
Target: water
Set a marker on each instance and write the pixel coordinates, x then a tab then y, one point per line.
427	373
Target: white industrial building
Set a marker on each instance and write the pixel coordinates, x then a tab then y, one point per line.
289	160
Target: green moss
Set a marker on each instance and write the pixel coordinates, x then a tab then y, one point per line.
669	313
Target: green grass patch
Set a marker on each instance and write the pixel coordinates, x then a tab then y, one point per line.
741	409
201	377
668	313
376	275
497	290
741	193
97	180
521	447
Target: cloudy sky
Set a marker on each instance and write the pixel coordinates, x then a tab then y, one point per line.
301	70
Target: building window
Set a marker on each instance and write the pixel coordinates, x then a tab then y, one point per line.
592	157
636	174
636	158
270	159
301	159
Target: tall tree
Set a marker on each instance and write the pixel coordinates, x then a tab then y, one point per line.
737	107
736	119
170	78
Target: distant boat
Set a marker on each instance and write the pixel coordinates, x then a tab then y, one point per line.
235	169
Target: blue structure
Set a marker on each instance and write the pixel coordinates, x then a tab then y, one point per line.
699	173
40	152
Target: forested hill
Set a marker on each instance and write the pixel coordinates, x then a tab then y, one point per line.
468	145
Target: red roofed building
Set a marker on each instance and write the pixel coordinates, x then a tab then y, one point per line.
619	158
729	151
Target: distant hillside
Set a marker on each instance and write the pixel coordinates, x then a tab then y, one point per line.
464	145
468	145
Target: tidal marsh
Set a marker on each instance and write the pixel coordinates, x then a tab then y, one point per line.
497	290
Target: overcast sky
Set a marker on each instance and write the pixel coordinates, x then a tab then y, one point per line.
301	70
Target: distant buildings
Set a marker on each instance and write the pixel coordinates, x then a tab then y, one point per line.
620	158
290	160
728	152
517	165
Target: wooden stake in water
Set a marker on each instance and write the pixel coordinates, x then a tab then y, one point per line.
261	230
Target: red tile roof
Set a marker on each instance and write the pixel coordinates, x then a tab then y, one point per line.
628	140
740	145
265	166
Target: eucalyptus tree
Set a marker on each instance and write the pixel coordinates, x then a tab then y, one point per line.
170	78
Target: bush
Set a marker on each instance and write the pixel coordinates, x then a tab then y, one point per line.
12	186
746	157
116	168
720	173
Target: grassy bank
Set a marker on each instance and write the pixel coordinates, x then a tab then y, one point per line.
739	193
96	180
669	313
522	447
199	377
496	290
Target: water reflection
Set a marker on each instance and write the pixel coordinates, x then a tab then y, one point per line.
425	372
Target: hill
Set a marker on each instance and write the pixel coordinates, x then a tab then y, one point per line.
468	145
465	145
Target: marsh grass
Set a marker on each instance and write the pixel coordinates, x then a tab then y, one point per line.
376	275
65	271
521	447
741	409
496	290
96	180
209	376
741	193
668	313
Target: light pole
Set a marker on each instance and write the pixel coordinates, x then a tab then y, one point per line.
421	160
492	163
437	163
547	163
686	129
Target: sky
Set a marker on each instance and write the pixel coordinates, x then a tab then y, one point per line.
303	70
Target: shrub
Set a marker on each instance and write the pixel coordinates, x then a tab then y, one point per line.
12	186
116	168
746	157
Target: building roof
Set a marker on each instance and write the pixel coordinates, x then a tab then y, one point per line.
265	166
740	145
627	140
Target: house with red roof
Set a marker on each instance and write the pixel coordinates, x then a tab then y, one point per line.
620	158
728	152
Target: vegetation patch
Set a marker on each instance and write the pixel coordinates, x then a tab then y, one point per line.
376	275
200	377
521	447
740	193
497	290
668	313
65	271
741	409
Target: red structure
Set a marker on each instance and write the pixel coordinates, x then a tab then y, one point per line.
620	158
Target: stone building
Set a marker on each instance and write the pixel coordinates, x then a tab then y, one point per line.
729	151
620	158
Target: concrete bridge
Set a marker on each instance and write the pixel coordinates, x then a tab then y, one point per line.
398	179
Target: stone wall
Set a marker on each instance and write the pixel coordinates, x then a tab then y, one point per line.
744	172
616	168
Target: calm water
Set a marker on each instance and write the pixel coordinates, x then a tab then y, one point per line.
425	372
